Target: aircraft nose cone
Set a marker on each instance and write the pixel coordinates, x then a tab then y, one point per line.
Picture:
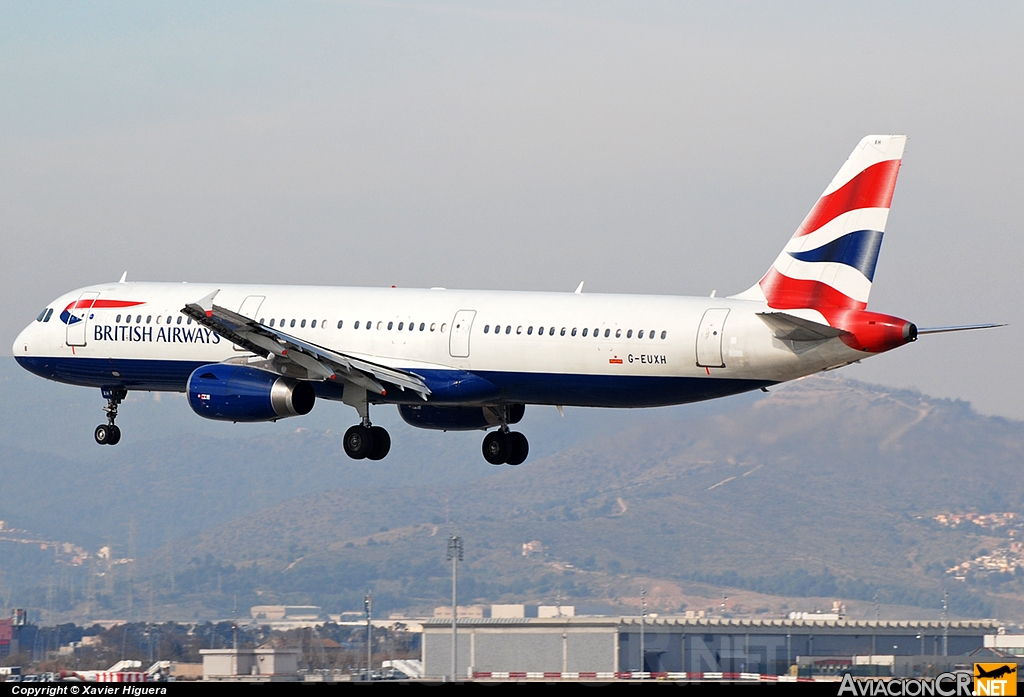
21	344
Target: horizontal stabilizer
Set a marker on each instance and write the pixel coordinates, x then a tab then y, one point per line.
787	327
960	328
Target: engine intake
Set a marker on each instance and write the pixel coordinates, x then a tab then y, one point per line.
228	392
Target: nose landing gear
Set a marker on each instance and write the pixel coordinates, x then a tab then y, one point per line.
109	433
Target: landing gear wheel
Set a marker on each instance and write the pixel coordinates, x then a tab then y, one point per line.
115	435
103	434
520	448
381	443
358	442
497	447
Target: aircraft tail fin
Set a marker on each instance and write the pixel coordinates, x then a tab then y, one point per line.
830	260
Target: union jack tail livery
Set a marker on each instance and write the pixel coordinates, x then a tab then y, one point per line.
830	261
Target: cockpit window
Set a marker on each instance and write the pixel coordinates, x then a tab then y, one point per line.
42	314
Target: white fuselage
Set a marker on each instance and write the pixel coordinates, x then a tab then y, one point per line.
549	348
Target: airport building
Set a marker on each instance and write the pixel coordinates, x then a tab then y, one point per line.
607	645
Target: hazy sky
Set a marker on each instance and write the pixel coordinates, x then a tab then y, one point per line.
642	147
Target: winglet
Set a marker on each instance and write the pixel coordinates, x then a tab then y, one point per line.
124	277
206	304
579	289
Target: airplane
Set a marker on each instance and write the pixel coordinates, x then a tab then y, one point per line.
473	360
995	672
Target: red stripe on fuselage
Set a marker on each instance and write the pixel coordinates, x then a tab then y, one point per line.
101	304
785	293
872	188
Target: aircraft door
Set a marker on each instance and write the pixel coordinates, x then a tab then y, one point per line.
249	308
78	319
458	340
709	338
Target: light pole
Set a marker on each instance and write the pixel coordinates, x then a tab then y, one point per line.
455	556
368	604
945	623
643	621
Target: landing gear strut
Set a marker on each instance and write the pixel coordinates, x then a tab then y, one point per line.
365	441
109	433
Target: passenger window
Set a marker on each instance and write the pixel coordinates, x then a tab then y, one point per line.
444	327
561	333
629	334
551	332
508	328
292	323
584	331
640	334
380	325
354	326
412	326
179	320
149	318
401	325
664	334
597	332
422	325
519	329
271	321
618	333
117	320
302	323
433	325
312	325
188	321
390	324
540	332
574	331
487	328
607	332
282	323
529	330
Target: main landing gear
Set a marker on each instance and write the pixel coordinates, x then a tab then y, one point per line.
505	447
364	441
109	433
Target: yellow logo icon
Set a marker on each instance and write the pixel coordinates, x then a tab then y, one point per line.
995	679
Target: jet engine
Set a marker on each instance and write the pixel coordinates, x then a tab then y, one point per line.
460	418
229	392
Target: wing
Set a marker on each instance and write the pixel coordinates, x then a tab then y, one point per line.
319	362
787	327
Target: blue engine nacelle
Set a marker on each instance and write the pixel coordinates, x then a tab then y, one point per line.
459	418
238	393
